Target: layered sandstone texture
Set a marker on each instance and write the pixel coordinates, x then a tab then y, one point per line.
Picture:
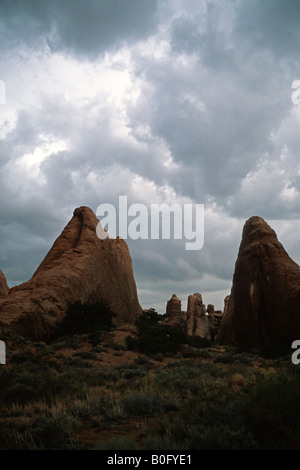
264	305
78	267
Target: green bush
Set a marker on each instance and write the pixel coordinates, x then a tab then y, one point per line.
87	318
142	404
85	355
51	432
131	343
272	411
198	342
148	318
225	359
23	385
121	443
155	337
220	437
160	339
278	347
156	442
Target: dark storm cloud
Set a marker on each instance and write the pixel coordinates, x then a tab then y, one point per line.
220	95
218	28
216	125
211	120
270	24
85	27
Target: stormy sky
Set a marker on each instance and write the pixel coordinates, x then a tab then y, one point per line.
164	101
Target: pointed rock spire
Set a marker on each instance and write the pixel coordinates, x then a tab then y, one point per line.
78	267
264	305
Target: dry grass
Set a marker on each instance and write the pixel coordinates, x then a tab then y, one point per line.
74	394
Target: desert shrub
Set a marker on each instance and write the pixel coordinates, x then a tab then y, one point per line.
131	343
266	417
272	411
51	432
158	357
129	371
99	349
177	379
160	339
225	359
198	342
155	337
142	404
148	318
23	385
115	345
85	355
87	318
243	359
204	354
142	360
147	403
157	442
120	443
189	352
200	433
220	437
74	341
278	347
111	408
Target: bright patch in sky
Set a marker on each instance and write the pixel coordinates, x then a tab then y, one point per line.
30	162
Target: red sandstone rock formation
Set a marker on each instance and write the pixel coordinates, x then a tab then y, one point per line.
194	321
79	267
197	323
4	289
264	304
174	315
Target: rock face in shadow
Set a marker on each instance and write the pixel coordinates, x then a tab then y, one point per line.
4	289
78	267
264	305
215	318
